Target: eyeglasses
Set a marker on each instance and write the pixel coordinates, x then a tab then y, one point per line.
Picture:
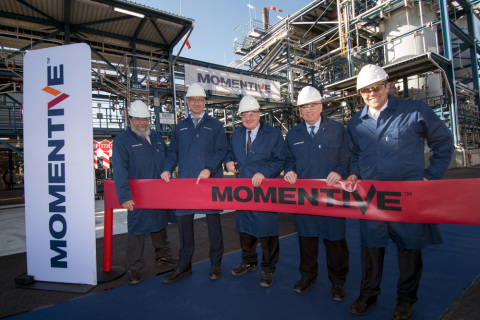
200	100
245	115
308	106
140	119
375	88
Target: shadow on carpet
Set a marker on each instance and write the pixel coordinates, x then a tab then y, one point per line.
448	269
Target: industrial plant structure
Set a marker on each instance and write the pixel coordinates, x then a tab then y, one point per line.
430	49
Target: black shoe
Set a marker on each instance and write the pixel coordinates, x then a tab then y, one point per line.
403	310
176	275
167	262
338	292
244	268
215	273
266	280
133	276
362	305
302	285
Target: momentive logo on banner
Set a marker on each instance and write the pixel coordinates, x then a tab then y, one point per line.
222	81
330	197
420	201
57	225
59	189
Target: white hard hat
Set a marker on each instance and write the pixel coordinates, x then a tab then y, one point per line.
308	95
138	109
370	74
248	103
195	90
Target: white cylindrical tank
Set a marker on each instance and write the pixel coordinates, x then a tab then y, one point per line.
402	22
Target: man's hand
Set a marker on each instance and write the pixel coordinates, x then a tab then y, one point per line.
204	174
128	205
353	178
290	176
231	167
333	178
257	179
166	175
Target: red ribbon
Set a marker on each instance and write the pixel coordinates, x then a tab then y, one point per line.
434	201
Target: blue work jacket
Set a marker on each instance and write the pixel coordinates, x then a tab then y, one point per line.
314	159
195	149
267	156
392	149
134	158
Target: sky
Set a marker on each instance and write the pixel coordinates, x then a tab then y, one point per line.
215	21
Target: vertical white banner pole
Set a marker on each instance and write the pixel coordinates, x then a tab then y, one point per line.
59	180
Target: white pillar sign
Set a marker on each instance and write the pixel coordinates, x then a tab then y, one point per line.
59	179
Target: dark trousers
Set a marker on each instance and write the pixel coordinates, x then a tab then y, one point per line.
187	243
410	264
136	245
337	256
270	248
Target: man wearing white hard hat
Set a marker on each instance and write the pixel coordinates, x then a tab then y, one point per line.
387	139
317	148
139	153
198	146
256	152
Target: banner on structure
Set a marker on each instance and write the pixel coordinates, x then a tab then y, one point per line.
222	81
434	201
59	189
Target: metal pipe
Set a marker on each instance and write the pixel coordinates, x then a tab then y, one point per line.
340	28
421	23
173	89
290	75
348	41
281	123
429	55
473	55
447	49
406	34
464	152
374	9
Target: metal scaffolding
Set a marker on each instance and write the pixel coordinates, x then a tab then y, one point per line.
430	49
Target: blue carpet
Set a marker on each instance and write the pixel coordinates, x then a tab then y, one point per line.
448	268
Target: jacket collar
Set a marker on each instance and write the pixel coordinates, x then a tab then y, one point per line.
392	104
326	122
262	127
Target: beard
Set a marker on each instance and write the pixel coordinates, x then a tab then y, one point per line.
142	134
